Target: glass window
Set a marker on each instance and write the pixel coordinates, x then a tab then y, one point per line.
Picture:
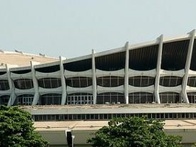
26	99
141	97
23	83
4	99
4	85
170	81
49	82
79	81
170	97
110	98
110	81
192	97
50	99
141	81
80	98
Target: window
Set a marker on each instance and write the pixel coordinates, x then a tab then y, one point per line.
141	97
49	82
23	83
110	81
80	98
141	81
110	98
191	81
4	85
79	82
50	99
192	97
170	81
170	97
26	99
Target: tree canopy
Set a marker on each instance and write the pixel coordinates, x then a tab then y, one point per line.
16	129
134	132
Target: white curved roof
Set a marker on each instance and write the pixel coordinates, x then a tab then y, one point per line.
22	59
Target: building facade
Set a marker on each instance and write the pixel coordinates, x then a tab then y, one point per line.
161	71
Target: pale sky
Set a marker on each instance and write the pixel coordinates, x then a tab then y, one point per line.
71	28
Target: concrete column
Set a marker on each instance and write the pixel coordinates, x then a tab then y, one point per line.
12	88
63	83
187	67
94	78
35	84
126	84
157	78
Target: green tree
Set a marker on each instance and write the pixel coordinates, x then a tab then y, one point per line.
16	129
134	132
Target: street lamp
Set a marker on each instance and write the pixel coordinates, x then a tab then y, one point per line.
70	138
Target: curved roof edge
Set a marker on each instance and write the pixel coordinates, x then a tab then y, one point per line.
52	61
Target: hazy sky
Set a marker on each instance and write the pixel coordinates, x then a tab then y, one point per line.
72	28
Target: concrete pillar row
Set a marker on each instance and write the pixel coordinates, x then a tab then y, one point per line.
126	82
12	88
35	84
187	67
94	78
63	83
158	68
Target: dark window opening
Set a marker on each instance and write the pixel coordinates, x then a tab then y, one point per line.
141	97
192	97
23	83
49	69
25	99
193	59
174	55
50	99
4	85
111	62
141	81
49	82
170	81
79	99
73	117
110	81
79	82
143	58
110	98
79	65
4	99
22	71
2	73
170	97
191	81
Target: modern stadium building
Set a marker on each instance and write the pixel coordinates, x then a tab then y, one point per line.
156	78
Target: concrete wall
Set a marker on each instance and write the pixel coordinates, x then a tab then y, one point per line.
57	137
